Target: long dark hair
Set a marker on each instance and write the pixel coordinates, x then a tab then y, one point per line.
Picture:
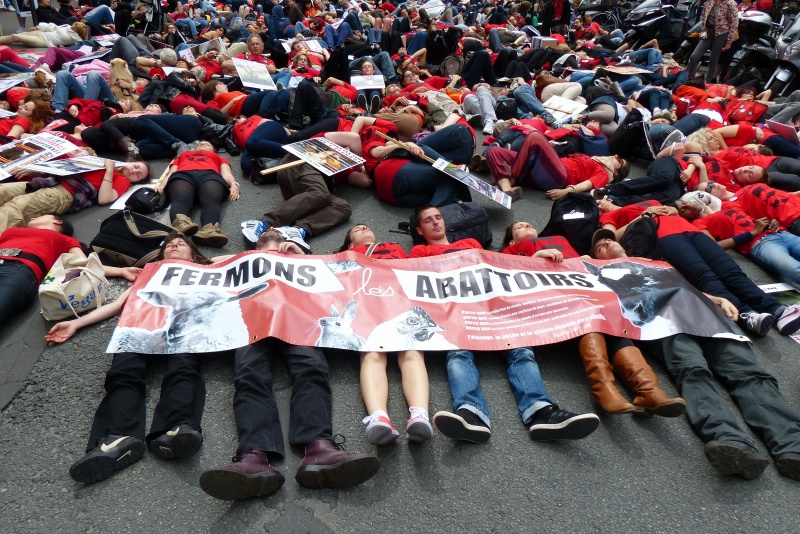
197	256
347	239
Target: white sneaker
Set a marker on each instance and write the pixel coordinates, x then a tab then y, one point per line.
296	235
488	128
380	430
252	229
21	29
789	321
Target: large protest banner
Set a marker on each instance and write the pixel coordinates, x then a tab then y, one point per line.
471	299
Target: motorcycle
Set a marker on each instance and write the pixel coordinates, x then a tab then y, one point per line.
609	14
787	51
653	20
757	48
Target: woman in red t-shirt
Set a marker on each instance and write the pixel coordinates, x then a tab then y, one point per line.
374	384
267	104
31	117
203	174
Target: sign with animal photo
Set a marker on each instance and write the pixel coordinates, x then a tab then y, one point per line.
324	155
254	75
471	299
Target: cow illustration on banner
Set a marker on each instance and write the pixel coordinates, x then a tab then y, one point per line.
471	299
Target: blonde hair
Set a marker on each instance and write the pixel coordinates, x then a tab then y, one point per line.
81	29
700	138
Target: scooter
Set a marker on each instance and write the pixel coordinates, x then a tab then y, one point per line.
757	47
653	20
787	50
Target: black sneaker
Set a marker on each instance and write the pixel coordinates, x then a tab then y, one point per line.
181	442
361	102
463	425
733	458
551	423
113	453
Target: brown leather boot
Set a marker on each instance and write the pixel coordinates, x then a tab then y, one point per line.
210	236
250	475
605	394
184	224
325	465
634	371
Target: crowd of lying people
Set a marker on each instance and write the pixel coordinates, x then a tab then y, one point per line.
719	179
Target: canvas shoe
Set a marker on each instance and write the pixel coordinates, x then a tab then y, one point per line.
758	323
463	425
418	428
380	430
488	128
111	455
180	442
252	229
789	320
552	423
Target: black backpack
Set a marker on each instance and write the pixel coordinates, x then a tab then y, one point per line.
641	238
462	220
506	109
628	139
127	239
576	217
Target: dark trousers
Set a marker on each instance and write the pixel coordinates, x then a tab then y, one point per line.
122	410
310	407
308	201
307	103
479	67
267	104
693	362
784	173
18	289
708	268
662	183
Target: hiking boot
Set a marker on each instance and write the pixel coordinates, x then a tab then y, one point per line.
552	423
789	320
758	323
251	230
111	455
181	442
210	236
463	425
327	465
184	224
380	430
788	465
733	458
250	475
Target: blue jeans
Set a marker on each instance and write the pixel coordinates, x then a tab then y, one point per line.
779	252
192	24
284	77
336	38
528	105
656	98
8	67
523	375
648	58
267	104
92	87
417	183
383	65
100	15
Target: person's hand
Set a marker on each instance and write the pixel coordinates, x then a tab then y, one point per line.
22	175
686	173
696	160
678	150
401	101
236	99
73	110
288	247
550	253
159	187
130	273
317	79
125	105
415	150
726	48
61	332
726	306
555	194
234	193
703	35
661	210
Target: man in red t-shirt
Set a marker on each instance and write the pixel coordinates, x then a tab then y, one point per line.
469	420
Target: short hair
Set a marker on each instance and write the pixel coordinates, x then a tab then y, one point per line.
765	177
65	227
418	213
169	57
255	36
624	170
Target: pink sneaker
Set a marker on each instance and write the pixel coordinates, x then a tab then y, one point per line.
419	429
380	430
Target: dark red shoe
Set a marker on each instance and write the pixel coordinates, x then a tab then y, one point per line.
250	475
327	465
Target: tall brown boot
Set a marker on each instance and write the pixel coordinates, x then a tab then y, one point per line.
634	371
605	394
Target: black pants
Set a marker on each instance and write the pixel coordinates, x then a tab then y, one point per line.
310	408
479	67
307	103
122	410
662	183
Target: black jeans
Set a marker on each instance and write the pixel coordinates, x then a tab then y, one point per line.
18	289
310	408
122	410
784	173
662	183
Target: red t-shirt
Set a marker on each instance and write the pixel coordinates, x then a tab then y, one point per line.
199	160
737	157
667	225
626	214
119	182
7	124
424	251
759	200
383	251
383	176
244	129
48	245
529	247
727	223
581	167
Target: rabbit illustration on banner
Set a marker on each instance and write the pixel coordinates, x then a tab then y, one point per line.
336	330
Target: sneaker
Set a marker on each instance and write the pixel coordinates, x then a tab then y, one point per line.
732	458
418	429
252	229
675	136
21	29
624	61
295	234
475	120
551	423
488	128
758	323
113	454
463	425
181	442
656	113
789	320
788	465
380	430
179	147
374	104
361	102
